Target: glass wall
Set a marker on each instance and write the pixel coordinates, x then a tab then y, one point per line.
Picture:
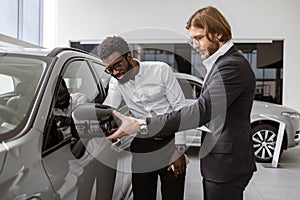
21	19
9	17
266	60
161	55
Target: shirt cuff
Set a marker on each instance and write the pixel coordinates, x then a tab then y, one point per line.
180	138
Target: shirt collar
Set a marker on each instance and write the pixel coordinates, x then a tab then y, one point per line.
210	61
139	73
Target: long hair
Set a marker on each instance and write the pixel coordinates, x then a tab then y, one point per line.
212	21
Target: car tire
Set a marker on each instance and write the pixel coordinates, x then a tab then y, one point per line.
264	139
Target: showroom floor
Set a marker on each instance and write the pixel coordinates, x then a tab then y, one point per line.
267	183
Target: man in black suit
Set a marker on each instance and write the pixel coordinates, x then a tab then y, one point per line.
224	106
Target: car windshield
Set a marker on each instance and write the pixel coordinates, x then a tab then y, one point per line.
19	77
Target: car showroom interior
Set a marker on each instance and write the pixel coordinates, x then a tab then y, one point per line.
202	103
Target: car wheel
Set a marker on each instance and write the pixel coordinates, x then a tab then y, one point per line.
264	139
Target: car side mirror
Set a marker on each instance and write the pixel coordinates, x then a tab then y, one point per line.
94	120
91	120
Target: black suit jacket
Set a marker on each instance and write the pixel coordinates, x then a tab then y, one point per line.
224	106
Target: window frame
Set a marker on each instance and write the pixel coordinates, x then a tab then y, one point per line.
70	138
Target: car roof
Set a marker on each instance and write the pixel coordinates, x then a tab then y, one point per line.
27	51
39	51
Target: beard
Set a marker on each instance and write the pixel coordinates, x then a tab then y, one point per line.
127	75
213	47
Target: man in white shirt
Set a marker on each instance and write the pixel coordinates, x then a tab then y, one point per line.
148	89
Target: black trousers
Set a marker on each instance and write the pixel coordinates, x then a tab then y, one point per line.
144	185
226	191
105	181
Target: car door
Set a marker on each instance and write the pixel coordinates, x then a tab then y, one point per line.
69	172
22	174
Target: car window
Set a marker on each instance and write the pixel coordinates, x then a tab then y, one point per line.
6	84
104	77
77	86
80	79
191	89
19	79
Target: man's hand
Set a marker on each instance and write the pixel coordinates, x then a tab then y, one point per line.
177	163
129	126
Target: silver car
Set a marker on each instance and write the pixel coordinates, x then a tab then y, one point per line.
264	121
41	155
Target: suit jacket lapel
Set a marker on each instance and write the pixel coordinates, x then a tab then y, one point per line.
229	52
205	84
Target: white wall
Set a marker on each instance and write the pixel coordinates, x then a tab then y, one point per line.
49	29
164	20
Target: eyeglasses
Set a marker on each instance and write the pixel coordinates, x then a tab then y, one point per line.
115	66
193	42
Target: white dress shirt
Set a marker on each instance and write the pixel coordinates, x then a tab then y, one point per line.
153	91
210	61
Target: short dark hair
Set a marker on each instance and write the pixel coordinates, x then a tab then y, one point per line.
113	44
